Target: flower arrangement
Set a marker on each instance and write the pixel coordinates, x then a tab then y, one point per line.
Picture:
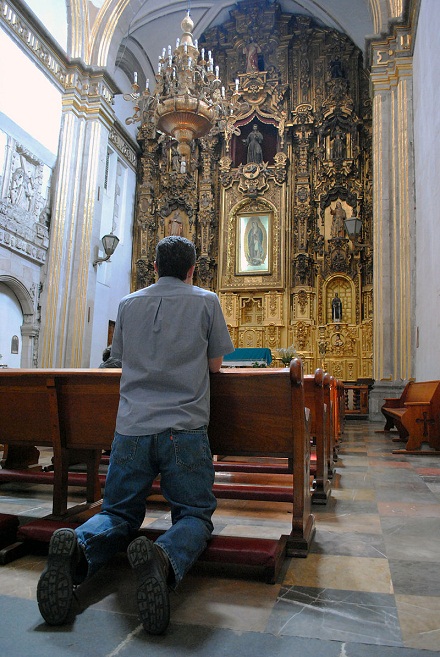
287	353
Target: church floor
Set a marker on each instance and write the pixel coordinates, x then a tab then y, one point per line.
370	586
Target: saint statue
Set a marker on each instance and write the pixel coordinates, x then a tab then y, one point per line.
338	224
175	224
175	159
338	147
253	142
21	191
251	51
336	308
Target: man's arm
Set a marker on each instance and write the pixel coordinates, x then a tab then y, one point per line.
215	364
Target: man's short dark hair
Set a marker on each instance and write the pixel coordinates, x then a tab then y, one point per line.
106	353
175	255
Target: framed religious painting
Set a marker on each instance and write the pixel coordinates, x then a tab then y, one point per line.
254	244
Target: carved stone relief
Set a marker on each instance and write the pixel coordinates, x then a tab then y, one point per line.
25	203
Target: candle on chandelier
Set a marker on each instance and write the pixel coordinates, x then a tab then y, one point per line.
236	84
217	71
147	84
135	77
203	53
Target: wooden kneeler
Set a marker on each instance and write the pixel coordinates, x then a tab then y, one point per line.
261	554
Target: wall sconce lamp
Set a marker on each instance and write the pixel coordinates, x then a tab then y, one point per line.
353	226
109	242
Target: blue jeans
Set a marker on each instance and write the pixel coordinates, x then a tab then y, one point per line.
184	461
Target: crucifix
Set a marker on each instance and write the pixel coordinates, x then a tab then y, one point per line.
425	422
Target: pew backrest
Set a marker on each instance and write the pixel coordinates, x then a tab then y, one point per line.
261	412
256	412
28	408
88	404
421	392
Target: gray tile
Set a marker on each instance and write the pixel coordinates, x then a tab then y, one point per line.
353	545
337	614
415	577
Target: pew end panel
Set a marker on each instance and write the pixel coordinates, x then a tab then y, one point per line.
329	423
87	405
261	412
29	418
314	400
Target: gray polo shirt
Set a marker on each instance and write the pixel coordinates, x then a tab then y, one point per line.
164	335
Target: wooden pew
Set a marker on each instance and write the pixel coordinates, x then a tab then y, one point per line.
87	406
261	412
254	412
337	409
416	415
71	411
29	418
315	401
338	396
391	403
328	384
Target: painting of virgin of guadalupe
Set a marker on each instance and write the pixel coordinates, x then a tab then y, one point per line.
253	244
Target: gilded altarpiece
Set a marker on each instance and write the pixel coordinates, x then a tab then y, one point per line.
266	198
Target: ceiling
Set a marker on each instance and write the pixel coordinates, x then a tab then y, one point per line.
154	24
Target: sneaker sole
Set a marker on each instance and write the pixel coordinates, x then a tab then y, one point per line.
55	587
152	591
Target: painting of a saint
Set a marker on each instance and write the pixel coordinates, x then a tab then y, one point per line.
255	251
253	244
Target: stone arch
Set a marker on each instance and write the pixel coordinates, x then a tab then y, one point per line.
30	328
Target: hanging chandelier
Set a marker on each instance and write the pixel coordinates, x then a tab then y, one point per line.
188	100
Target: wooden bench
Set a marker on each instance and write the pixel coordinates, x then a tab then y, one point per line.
87	406
71	411
261	412
315	401
338	395
416	416
254	412
391	403
29	418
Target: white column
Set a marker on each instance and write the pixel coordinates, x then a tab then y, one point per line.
75	224
393	217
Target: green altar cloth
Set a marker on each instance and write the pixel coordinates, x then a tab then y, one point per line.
247	357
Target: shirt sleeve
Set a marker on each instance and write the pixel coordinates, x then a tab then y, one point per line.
220	342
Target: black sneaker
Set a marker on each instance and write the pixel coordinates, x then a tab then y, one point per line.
152	591
55	586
